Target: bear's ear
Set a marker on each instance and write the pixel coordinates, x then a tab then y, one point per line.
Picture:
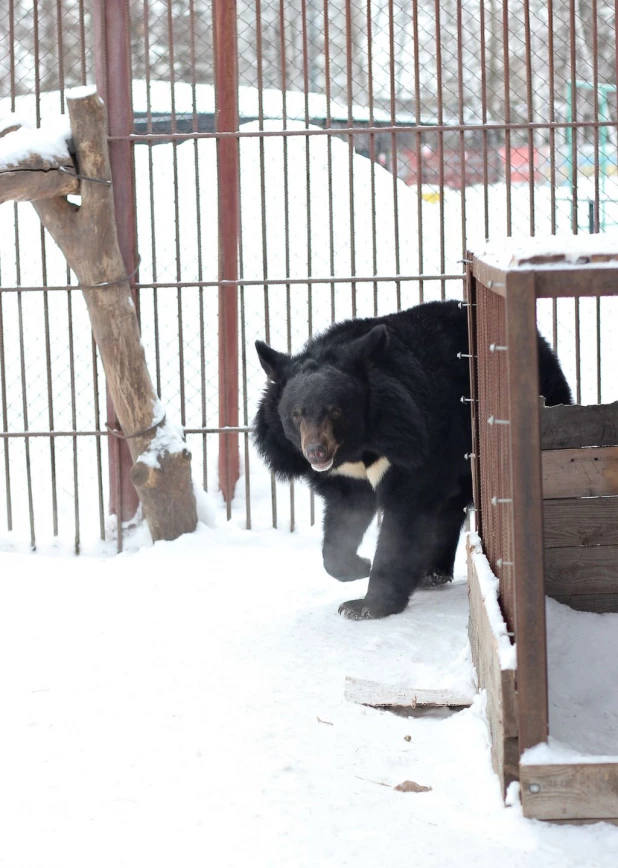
275	364
372	345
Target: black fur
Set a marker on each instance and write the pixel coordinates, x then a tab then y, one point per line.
387	387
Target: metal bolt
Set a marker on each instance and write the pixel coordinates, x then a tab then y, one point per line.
496	348
465	356
469	455
534	788
465	400
493	421
496	500
501	563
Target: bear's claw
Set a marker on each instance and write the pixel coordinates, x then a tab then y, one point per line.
365	610
434	580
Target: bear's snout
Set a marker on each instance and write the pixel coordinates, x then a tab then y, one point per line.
318	445
316	452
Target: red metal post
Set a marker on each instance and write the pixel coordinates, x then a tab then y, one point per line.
113	76
226	47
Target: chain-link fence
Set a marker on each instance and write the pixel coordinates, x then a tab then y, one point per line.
293	162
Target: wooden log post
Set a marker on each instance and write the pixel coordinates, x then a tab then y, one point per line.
87	236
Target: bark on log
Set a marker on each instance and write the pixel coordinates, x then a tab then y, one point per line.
87	236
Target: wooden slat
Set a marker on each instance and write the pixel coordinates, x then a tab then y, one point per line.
497	682
581	570
379	695
527	507
586	281
580	522
599	603
574	426
580	472
577	791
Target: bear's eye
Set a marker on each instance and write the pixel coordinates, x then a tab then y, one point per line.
336	412
296	415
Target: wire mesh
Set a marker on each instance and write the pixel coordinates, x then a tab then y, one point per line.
375	141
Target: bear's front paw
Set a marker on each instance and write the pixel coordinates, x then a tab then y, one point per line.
347	569
433	580
360	610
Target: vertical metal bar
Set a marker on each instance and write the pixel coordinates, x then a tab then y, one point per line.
439	85
24	389
418	142
573	116
113	76
530	114
97	425
229	226
460	107
372	155
527	508
73	420
307	166
50	412
507	114
394	155
82	45
61	84
483	48
151	188
5	422
552	131
329	156
177	228
350	98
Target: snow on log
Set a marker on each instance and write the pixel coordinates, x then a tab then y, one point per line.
35	163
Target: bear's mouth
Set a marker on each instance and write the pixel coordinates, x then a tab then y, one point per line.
322	466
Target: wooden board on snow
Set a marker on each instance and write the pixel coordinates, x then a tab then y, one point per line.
383	696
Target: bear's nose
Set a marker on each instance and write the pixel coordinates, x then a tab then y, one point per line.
316	452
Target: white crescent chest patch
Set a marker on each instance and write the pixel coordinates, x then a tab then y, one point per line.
357	470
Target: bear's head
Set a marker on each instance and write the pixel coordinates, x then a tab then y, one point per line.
323	404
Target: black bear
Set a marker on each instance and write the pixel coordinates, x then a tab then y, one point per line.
370	414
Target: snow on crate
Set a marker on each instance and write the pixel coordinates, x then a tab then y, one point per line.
488	583
549	250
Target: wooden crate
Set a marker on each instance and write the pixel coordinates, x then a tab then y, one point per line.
546	499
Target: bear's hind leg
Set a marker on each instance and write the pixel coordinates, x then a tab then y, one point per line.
349	509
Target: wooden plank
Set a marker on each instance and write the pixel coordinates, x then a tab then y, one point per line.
586	281
580	472
498	683
577	791
580	522
599	603
490	275
527	507
383	696
581	570
574	426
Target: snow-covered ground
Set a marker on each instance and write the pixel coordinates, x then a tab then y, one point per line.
184	705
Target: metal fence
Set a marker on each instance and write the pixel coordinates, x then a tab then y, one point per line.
278	165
